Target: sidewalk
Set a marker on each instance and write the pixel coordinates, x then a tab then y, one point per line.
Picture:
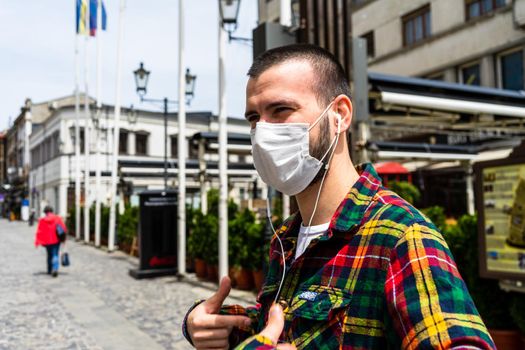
93	304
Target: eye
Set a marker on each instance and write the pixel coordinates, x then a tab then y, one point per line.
281	109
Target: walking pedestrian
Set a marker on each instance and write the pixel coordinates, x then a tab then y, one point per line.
50	232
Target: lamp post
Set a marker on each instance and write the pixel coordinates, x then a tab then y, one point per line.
141	80
96	124
228	10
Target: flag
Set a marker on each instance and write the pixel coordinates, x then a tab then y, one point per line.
81	17
93	25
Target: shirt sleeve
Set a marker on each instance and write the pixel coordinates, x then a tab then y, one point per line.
237	335
428	301
256	342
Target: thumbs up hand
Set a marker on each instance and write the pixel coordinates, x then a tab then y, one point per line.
275	326
207	328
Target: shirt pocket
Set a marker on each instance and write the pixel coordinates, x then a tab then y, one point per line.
316	314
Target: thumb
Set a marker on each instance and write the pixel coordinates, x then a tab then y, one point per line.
214	303
275	324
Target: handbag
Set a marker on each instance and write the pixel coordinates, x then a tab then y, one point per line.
61	234
65	259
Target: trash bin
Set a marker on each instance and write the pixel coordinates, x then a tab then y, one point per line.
157	234
24	210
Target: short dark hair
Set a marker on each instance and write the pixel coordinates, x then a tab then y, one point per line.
330	77
48	209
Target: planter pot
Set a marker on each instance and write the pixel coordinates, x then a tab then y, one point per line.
258	279
244	279
190	265
200	268
506	339
232	274
213	273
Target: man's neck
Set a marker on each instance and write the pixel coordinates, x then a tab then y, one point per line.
340	177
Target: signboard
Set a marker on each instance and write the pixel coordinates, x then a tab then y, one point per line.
500	201
157	234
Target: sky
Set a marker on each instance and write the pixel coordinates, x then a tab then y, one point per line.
37	57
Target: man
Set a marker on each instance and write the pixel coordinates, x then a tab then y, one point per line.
47	236
362	268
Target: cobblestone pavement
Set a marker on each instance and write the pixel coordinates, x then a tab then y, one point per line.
93	304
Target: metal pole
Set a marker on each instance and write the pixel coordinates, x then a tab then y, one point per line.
112	213
181	227
98	111
223	160
360	102
77	142
165	143
86	133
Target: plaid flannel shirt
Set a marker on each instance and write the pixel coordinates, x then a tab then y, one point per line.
381	277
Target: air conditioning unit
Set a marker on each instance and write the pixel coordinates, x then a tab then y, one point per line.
518	12
269	35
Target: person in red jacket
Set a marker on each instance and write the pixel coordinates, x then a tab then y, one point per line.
47	235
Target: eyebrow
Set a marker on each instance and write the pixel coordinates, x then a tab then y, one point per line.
274	104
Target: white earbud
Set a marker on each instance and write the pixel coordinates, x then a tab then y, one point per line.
338	123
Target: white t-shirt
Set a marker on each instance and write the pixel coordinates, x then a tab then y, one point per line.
307	235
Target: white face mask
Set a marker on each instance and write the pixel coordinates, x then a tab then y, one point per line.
281	154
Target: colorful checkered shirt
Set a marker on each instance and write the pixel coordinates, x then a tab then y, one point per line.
381	277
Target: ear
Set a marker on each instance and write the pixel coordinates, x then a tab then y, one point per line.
343	107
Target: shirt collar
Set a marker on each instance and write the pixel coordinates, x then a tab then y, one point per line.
351	210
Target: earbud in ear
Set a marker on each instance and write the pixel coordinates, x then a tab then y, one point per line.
338	122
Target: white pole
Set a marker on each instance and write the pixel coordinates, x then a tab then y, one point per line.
77	141
181	255
286	206
114	166
86	132
99	106
223	160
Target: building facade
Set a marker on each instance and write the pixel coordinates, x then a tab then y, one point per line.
141	155
471	42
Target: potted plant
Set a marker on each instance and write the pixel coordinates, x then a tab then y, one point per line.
209	227
197	245
517	312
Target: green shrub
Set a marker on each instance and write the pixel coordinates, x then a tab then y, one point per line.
436	214
405	190
517	311
127	225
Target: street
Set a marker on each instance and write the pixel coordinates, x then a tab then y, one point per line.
93	304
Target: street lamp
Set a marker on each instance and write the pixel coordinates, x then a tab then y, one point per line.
141	80
229	12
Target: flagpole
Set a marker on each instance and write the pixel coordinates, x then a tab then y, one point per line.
77	137
86	130
181	260
114	166
98	111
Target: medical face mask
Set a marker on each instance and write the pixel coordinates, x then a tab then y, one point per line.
332	147
281	155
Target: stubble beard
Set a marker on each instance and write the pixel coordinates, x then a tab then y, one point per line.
319	148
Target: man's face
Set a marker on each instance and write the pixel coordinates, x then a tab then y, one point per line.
285	94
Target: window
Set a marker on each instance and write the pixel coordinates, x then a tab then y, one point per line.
370	46
416	26
174	147
470	75
477	8
123	142
141	144
512	70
